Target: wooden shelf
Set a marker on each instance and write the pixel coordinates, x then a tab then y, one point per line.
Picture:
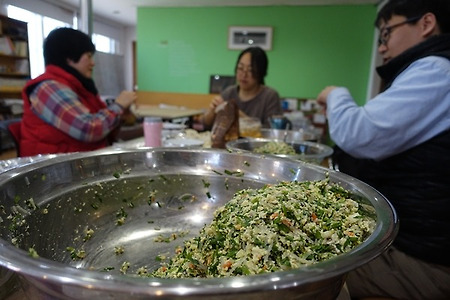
11	89
15	75
2	55
14	60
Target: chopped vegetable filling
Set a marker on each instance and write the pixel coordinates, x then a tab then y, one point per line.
275	228
275	147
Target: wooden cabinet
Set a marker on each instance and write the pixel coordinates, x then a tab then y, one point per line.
14	59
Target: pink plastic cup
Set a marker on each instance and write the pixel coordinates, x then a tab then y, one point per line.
152	131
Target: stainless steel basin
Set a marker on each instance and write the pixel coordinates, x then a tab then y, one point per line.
50	206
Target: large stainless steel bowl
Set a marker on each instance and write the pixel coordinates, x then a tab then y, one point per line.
305	150
49	205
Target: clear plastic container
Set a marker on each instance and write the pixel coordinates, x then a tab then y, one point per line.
249	127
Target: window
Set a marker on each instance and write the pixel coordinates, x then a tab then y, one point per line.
40	26
105	44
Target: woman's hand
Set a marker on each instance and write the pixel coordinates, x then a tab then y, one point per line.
126	98
210	114
216	101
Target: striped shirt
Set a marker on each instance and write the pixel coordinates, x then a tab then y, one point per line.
58	105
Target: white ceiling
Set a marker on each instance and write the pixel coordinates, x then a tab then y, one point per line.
124	11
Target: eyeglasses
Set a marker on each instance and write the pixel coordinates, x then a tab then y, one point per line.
385	33
243	70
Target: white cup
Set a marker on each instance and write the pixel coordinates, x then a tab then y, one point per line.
152	131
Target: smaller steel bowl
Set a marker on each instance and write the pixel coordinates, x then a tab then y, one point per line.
290	135
306	151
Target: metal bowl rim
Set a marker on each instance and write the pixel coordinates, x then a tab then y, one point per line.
326	150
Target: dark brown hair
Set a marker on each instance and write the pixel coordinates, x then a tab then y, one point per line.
417	8
259	63
63	43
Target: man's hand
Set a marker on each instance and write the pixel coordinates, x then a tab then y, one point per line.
323	95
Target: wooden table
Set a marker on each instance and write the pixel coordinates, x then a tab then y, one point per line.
166	113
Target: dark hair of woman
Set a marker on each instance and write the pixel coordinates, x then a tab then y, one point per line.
259	63
66	43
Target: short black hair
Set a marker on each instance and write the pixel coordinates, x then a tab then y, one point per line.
417	8
66	43
259	63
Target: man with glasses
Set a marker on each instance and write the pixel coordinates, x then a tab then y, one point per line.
399	143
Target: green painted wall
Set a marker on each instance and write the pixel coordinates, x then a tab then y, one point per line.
313	46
